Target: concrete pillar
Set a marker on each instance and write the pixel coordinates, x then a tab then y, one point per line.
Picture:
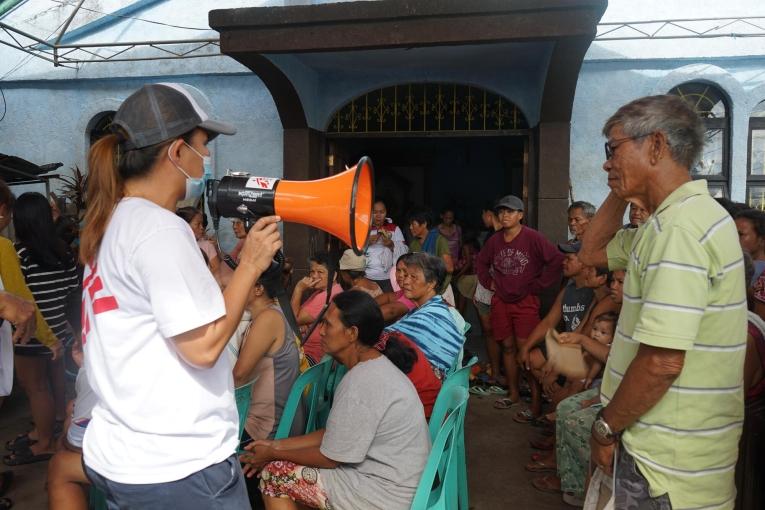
553	179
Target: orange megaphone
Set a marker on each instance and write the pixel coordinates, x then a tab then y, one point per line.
340	205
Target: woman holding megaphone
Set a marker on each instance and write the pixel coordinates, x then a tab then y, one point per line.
164	432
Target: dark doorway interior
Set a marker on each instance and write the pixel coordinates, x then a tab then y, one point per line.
462	173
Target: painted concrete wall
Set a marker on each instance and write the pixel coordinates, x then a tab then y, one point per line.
47	121
605	85
616	72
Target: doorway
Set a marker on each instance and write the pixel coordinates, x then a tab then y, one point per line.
462	173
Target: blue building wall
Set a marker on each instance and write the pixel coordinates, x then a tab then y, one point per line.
605	85
48	120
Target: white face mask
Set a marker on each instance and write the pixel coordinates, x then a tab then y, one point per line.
195	186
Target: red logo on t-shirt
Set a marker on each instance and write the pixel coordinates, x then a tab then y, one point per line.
93	285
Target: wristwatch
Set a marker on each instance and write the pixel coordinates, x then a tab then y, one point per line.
602	431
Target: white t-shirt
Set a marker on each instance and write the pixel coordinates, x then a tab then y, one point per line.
158	419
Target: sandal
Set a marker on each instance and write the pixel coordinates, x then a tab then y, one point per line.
504	403
5	503
538	466
524	416
496	390
479	390
20	442
20	457
549	483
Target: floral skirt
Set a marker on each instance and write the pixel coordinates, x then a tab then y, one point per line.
572	441
302	484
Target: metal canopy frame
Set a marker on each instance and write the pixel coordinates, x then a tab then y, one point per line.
697	28
72	55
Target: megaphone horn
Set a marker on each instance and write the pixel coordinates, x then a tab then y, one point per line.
340	205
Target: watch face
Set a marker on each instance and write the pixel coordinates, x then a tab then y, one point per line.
602	429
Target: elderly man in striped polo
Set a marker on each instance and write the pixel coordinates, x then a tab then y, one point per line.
672	388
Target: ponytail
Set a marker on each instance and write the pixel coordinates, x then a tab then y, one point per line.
393	346
108	168
105	189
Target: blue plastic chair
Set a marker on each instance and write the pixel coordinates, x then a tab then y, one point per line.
438	488
313	380
460	378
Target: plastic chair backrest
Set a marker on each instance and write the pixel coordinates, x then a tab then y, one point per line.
442	407
243	397
315	378
438	486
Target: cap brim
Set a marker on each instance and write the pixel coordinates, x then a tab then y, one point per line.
568	248
217	127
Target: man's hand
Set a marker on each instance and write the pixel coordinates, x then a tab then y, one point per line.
21	314
261	452
571	338
261	244
522	358
602	456
549	385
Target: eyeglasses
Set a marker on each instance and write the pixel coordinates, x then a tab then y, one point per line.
611	145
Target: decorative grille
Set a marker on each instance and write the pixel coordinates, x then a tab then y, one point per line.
427	107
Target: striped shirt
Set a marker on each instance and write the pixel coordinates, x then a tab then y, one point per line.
435	331
684	289
50	288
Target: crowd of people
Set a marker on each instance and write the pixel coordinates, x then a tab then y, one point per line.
629	346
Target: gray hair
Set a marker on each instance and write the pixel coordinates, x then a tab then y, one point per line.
669	114
587	208
433	268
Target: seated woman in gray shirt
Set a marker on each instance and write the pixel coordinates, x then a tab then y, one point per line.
375	445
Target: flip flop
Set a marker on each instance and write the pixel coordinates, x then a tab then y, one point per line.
479	390
504	403
524	416
547	484
537	466
20	457
20	442
497	390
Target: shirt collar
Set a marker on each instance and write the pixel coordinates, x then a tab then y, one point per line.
697	187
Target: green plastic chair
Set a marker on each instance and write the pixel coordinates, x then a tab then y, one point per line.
313	380
96	499
460	378
243	397
333	373
438	488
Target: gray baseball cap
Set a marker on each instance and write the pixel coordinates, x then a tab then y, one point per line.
509	202
162	111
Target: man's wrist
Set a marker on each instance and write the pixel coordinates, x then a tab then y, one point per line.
602	431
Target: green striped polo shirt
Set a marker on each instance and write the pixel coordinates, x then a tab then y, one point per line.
684	289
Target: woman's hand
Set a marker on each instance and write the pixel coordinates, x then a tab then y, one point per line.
21	314
584	404
261	244
57	349
261	452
